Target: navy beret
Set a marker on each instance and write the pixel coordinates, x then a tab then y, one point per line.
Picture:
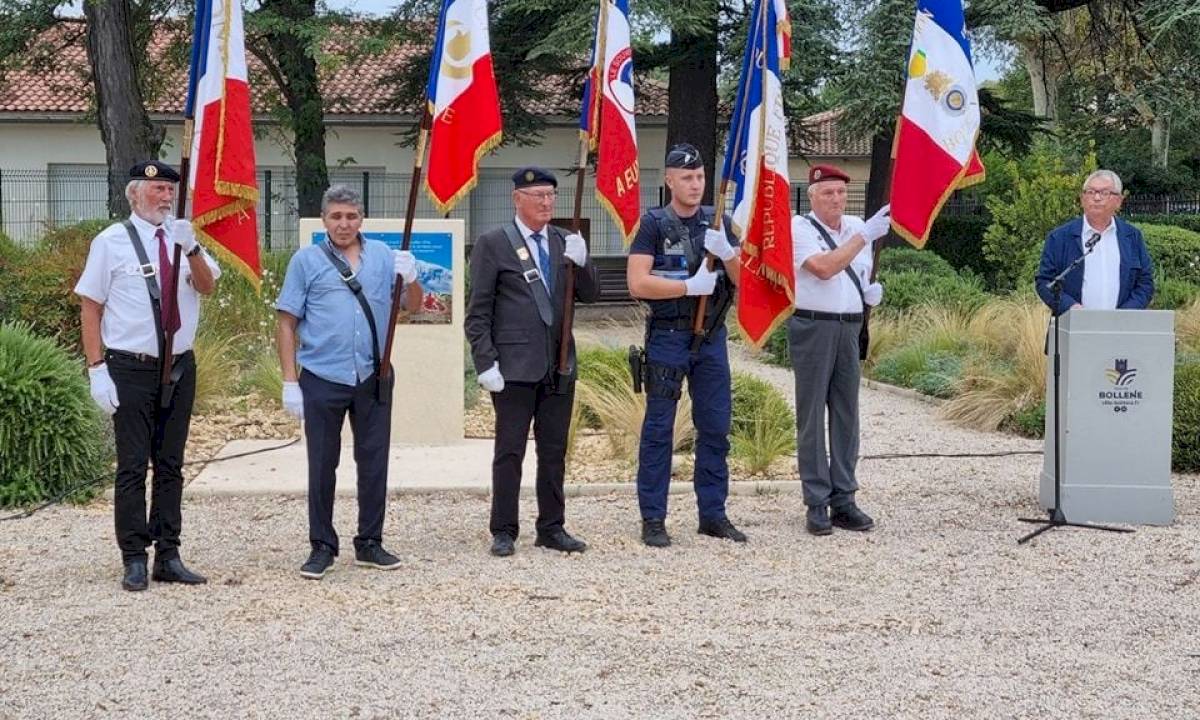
153	170
532	175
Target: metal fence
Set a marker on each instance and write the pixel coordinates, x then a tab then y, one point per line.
34	201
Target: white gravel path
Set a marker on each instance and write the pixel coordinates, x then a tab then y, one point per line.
936	614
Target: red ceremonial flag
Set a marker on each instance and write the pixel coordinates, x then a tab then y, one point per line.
935	139
463	101
756	160
607	120
221	181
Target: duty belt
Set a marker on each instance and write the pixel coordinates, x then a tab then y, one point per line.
835	317
679	323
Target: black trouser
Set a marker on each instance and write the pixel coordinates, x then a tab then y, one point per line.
516	406
325	407
145	433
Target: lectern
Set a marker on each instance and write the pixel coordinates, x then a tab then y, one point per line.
1117	383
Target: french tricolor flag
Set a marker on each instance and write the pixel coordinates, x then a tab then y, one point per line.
756	161
935	140
463	102
607	121
221	179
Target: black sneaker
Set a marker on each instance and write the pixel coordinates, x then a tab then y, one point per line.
372	555
849	517
654	534
817	520
721	529
319	562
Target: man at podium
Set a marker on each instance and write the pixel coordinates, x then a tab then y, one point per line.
1116	272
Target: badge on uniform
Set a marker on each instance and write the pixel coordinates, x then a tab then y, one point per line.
523	254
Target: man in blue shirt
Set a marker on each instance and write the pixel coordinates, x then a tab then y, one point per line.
336	298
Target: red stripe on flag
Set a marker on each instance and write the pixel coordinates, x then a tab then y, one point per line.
765	289
461	134
617	170
923	177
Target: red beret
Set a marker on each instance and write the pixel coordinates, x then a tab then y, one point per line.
819	173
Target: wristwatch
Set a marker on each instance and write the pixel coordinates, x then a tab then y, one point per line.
194	251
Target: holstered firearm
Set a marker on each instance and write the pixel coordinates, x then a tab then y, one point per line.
637	366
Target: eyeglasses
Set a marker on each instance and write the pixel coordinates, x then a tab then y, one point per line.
1101	194
542	196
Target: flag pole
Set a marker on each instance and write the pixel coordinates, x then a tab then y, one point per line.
564	342
385	369
710	260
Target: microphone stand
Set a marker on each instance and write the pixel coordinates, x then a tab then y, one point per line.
1056	517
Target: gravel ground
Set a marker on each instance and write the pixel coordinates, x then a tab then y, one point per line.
936	614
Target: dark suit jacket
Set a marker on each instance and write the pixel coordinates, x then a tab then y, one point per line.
1063	246
502	320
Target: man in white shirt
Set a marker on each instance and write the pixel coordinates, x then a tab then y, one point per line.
128	297
833	261
1117	272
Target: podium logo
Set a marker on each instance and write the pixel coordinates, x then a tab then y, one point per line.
1121	375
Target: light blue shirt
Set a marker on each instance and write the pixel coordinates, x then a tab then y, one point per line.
335	338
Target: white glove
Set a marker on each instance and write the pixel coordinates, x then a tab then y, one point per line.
293	399
405	265
491	379
878	225
183	235
703	282
104	393
716	242
873	294
576	249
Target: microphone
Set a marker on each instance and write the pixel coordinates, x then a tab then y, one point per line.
1091	242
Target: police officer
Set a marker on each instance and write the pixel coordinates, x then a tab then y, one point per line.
336	300
127	291
833	259
514	324
666	269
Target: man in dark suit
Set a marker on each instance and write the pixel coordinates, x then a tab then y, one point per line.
514	324
1116	274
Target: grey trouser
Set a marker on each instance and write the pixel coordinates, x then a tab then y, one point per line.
825	363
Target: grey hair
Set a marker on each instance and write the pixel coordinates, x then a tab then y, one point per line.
1105	175
340	194
131	187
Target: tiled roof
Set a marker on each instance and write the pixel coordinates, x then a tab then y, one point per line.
821	137
353	87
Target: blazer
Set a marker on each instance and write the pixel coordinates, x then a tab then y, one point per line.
1063	246
502	322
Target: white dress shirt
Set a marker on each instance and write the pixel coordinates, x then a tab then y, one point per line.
527	234
112	277
1101	269
837	294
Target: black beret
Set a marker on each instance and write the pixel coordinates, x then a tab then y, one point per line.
527	176
685	156
153	170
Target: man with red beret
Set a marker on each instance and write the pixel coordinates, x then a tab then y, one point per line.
833	261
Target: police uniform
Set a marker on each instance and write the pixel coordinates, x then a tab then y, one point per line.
824	342
115	277
514	323
677	246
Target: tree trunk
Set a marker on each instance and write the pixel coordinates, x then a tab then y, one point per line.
303	97
1160	141
692	96
1043	76
129	136
879	185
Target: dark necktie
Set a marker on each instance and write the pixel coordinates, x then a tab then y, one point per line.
543	259
166	281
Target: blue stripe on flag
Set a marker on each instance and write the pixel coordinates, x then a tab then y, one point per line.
949	15
761	43
585	112
202	29
435	60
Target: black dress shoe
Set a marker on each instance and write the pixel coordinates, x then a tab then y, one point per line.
816	522
560	540
654	534
849	517
318	563
372	555
721	529
503	545
135	578
173	571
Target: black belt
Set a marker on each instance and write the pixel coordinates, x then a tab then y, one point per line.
144	358
836	317
682	323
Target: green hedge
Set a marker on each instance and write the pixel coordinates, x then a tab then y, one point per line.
763	426
907	259
1187	222
908	289
51	433
959	239
1170	294
1185	438
1174	251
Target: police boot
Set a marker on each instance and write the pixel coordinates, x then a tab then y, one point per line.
722	529
654	534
